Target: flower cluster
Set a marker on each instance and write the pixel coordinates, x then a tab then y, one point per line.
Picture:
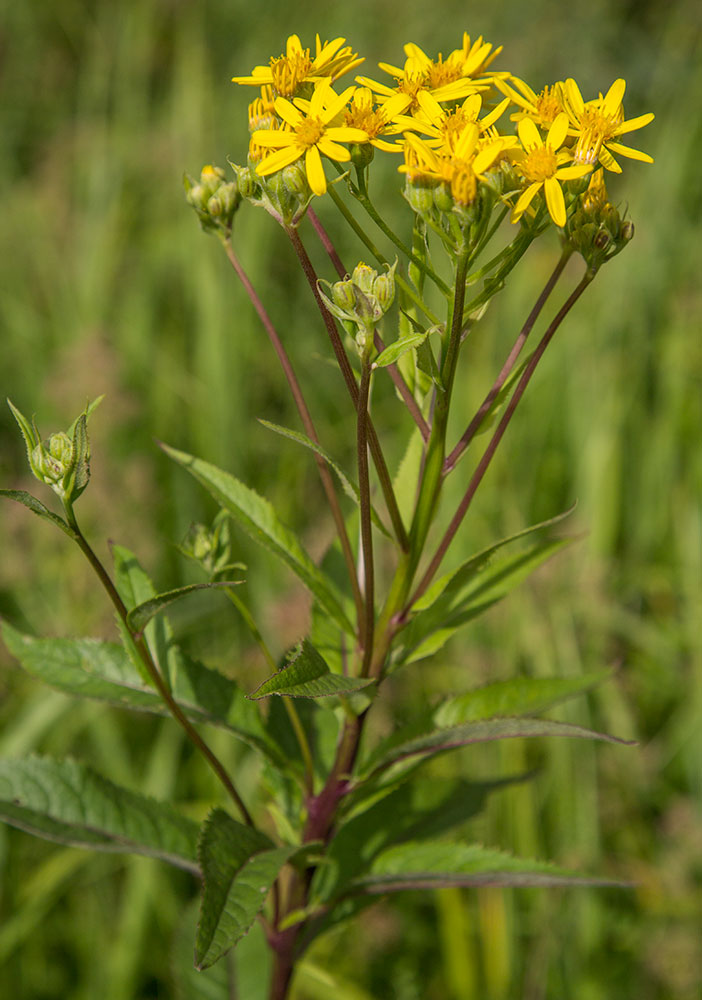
444	118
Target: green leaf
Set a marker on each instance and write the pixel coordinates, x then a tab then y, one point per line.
70	803
103	670
306	675
400	747
142	614
350	488
239	866
418	809
29	431
390	355
258	518
37	507
440	865
517	696
466	592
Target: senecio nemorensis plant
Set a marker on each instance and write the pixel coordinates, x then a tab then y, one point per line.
487	165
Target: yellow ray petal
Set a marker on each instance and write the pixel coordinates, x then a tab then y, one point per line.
555	201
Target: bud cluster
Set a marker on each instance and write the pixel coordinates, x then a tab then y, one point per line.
210	547
214	198
62	461
361	301
596	229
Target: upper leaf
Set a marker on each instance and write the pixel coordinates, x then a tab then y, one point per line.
439	865
466	593
70	803
516	696
306	675
400	747
260	521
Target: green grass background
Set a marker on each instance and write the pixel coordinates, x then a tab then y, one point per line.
106	285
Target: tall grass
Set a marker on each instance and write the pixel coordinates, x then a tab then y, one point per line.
108	287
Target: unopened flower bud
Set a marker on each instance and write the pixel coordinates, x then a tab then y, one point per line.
420	196
602	240
626	233
362	154
443	198
343	295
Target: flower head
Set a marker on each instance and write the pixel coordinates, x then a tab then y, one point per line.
450	79
311	129
288	74
543	108
541	166
376	120
459	167
599	123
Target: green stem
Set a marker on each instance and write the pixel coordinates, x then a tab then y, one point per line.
381	258
352	387
495	440
366	630
392	370
509	364
361	195
153	671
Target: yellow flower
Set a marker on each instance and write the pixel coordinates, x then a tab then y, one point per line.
444	128
597	123
376	122
312	130
461	167
447	79
541	167
542	108
289	72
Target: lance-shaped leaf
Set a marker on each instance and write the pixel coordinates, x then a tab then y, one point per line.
239	865
440	865
516	696
103	670
141	615
399	747
258	518
350	488
38	508
417	810
306	675
70	803
468	592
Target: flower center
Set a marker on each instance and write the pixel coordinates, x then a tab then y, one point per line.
548	105
372	122
439	73
290	71
310	131
595	129
539	164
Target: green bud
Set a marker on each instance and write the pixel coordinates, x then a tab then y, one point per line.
63	460
420	195
385	288
343	295
626	233
362	154
443	198
364	277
